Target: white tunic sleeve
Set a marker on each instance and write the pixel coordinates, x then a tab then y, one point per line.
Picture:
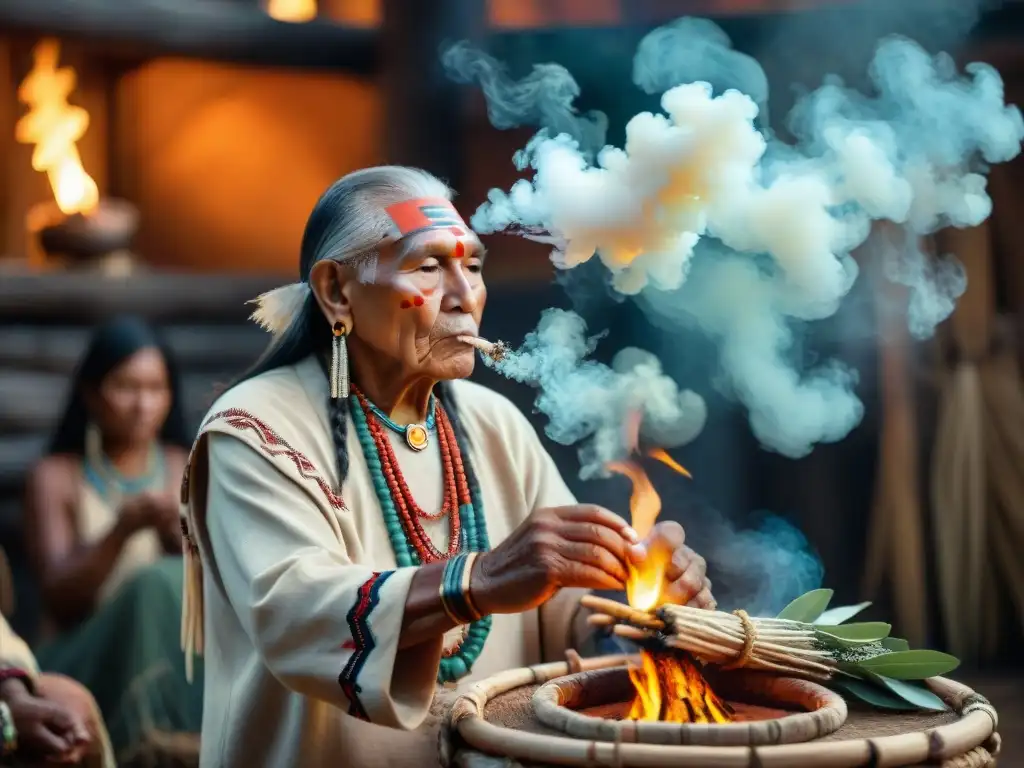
325	627
14	652
563	623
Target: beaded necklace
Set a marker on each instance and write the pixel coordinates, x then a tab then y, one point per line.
111	484
410	542
416	435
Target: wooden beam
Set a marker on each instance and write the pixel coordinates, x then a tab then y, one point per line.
424	109
86	298
212	29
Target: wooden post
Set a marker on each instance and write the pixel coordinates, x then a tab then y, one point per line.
424	117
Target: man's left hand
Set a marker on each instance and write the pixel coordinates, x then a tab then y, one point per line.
686	581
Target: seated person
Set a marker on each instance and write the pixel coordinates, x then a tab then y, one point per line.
104	536
45	718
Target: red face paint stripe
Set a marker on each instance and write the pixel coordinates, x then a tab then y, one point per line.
424	213
460	250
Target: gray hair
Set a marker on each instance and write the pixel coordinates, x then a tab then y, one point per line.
349	219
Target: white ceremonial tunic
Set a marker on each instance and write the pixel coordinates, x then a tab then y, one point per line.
301	602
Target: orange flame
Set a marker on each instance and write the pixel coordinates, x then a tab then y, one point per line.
54	126
670	688
643	588
668	461
292	10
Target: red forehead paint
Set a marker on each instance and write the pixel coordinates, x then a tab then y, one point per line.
460	250
411	216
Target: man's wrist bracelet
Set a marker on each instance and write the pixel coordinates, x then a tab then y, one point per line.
455	589
7	730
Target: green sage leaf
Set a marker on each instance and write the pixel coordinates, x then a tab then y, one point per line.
808	607
860	633
841	613
871	694
911	665
895	644
916	693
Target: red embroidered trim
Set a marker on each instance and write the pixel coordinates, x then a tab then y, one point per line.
275	445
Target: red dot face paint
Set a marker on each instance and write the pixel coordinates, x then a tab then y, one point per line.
405	304
460	250
418	301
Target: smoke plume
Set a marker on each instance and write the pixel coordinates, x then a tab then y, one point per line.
544	97
762	567
709	220
588	402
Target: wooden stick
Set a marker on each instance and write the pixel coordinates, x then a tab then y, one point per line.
622	612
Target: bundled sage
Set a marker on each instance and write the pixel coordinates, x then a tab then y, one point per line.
805	640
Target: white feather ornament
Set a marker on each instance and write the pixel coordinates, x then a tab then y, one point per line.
276	309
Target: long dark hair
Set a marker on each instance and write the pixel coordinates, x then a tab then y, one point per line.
112	343
310	333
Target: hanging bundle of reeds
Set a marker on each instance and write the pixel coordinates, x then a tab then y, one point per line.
804	640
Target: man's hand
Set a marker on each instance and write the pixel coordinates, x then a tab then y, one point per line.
686	581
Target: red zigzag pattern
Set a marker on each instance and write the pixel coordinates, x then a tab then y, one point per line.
275	445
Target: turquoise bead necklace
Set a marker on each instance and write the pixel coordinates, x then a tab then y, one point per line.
409	542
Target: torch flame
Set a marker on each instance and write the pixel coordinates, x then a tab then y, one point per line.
292	10
54	126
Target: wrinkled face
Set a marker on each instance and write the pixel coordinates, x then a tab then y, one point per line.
133	400
410	302
404	305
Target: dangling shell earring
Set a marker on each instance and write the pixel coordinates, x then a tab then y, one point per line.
339	363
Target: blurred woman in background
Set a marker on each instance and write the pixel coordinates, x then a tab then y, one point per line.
103	534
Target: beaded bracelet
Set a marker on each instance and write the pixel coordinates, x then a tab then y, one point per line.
454	590
7	730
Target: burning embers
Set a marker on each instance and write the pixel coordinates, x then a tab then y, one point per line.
671	689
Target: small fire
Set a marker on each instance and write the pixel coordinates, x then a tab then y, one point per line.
670	688
54	126
292	10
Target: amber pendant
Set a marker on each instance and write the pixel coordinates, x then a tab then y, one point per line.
416	436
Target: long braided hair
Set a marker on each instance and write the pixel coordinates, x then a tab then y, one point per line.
347	222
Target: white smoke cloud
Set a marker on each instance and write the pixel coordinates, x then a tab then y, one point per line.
775	223
588	402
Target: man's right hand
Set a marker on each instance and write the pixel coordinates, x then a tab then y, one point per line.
578	546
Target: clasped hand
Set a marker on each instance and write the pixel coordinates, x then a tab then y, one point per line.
583	546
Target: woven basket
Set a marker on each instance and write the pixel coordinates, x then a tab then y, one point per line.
493	725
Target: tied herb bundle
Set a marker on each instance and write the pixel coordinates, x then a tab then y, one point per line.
805	640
